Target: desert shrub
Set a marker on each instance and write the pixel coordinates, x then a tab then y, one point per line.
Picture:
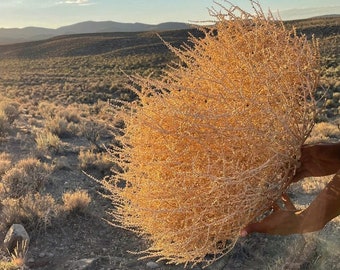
211	145
47	141
57	125
47	109
92	131
4	124
35	211
27	176
76	201
5	163
61	121
71	114
10	109
88	159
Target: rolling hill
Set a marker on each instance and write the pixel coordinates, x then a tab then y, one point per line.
118	43
103	37
15	35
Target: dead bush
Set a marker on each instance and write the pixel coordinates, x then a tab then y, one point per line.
35	211
76	201
10	109
57	125
4	124
47	141
60	120
92	131
5	163
71	114
211	145
88	160
27	176
47	109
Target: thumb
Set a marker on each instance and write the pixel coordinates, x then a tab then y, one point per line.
251	228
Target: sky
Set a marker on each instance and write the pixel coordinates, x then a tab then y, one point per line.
57	13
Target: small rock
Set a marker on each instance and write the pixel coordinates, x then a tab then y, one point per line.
152	265
61	163
42	254
30	260
50	254
16	237
83	264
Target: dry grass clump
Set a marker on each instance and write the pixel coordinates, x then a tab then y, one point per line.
9	111
76	201
57	125
47	109
93	130
210	146
35	211
47	141
27	176
61	126
71	114
88	159
4	125
18	257
5	163
62	121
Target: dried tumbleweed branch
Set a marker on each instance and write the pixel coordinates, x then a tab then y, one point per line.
211	145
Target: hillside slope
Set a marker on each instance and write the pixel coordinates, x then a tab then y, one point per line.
95	44
138	42
26	34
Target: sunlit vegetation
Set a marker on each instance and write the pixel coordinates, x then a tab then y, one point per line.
83	69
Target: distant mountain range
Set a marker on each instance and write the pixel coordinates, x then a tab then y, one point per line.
16	35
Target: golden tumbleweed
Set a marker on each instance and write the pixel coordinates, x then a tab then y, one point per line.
209	146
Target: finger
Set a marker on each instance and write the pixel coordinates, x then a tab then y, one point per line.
244	233
287	202
253	227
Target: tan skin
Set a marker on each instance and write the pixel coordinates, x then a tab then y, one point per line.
316	160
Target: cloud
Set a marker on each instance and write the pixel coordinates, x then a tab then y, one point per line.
76	2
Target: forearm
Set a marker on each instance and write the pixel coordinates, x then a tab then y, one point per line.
324	208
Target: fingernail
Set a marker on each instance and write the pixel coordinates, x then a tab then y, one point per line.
243	233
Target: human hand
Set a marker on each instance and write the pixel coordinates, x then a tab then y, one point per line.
318	160
281	221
